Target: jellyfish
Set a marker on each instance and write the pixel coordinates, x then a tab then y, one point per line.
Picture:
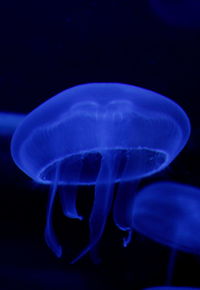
9	122
169	213
98	134
178	13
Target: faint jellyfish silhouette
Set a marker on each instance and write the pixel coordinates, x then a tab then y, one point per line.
178	13
9	122
97	134
169	213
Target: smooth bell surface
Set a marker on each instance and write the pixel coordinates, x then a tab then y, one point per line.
76	128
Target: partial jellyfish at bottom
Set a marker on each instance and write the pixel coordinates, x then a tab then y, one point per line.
169	213
98	134
178	13
171	288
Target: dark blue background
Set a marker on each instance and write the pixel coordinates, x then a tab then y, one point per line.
47	47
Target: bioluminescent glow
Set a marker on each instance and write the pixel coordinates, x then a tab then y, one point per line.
98	134
9	122
169	213
184	13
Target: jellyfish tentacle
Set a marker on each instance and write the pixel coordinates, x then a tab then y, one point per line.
68	200
50	236
123	205
103	198
122	212
104	190
68	195
127	240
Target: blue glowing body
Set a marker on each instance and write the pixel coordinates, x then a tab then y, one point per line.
169	213
9	122
184	13
98	134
